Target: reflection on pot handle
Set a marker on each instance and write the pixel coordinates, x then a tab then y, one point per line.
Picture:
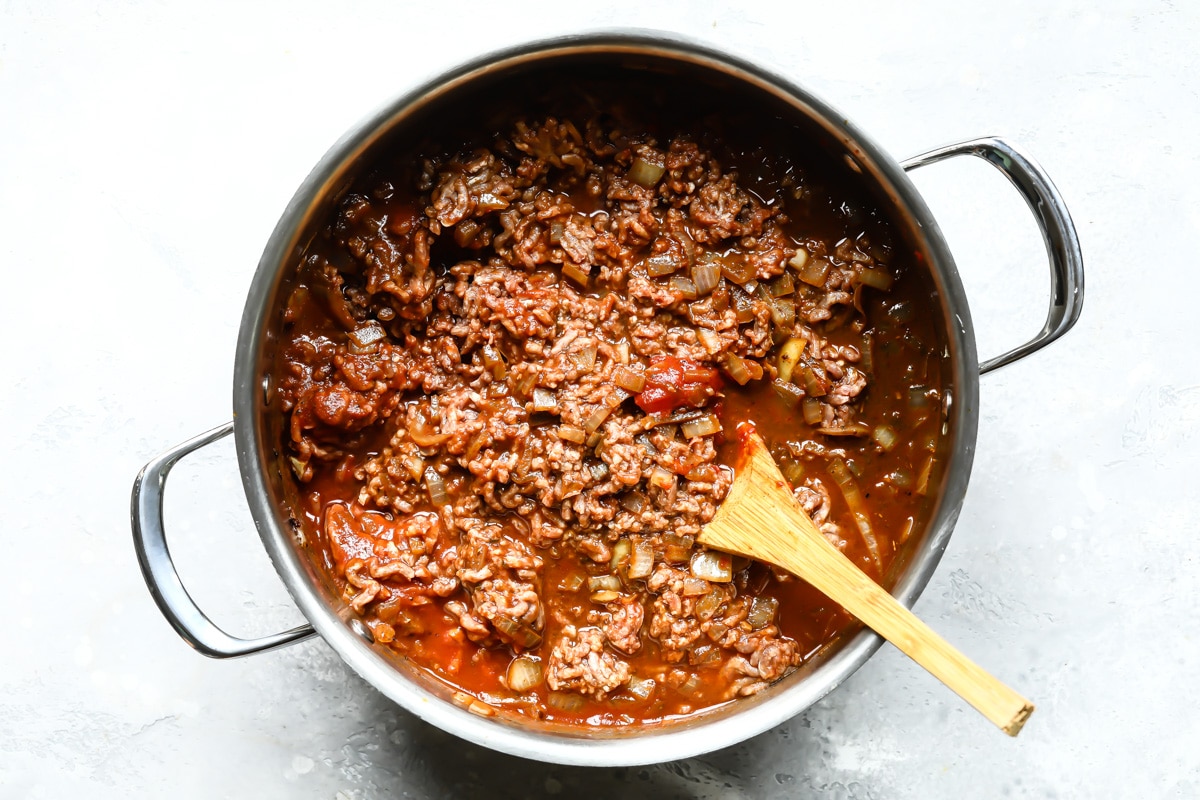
150	541
1058	231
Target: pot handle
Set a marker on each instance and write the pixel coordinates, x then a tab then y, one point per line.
1058	231
150	541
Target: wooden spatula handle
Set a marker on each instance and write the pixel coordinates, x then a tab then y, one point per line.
835	576
761	519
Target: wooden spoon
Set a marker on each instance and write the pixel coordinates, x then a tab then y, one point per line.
761	519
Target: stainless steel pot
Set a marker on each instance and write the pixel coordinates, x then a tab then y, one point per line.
271	493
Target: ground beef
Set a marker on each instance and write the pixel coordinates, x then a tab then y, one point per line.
515	371
579	662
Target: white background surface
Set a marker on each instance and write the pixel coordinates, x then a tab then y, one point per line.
146	151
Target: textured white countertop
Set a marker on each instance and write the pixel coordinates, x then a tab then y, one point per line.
146	151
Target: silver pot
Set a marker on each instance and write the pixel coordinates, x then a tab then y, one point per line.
271	492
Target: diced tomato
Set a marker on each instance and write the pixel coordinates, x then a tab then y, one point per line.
672	383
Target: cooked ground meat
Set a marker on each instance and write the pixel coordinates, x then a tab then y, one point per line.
579	662
506	386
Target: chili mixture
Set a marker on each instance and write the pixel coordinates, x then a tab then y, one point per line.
510	376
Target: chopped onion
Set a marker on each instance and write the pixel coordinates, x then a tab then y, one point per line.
783	285
690	686
885	436
923	477
918	397
629	379
706	275
814	383
705	655
641	561
849	429
703	472
540	419
655	421
598	583
645	173
716	630
712	566
576	273
710	340
875	278
598	470
815	271
490	202
867	355
633	502
564	701
544	399
737	368
793	471
708	605
597	417
423	437
798	261
585	357
789	393
571	487
901	478
694	587
677	554
742	370
737	269
521	635
481	709
366	335
569	433
494	362
663	479
858	508
762	612
684	286
789	357
604	596
783	312
557	229
525	385
436	487
298	467
679	547
415	464
523	674
622	550
641	688
661	264
811	408
743	304
704	425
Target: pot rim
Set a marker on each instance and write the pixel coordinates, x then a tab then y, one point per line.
652	744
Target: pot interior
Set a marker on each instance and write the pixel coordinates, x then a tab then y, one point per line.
764	117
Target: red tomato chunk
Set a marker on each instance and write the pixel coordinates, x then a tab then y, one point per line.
672	383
